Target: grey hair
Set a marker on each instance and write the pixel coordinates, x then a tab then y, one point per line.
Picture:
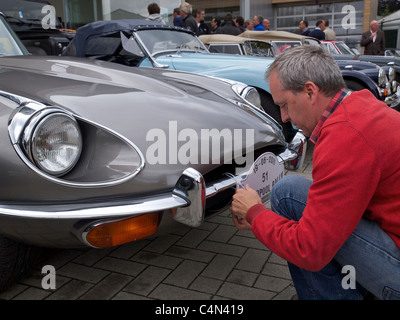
186	7
305	63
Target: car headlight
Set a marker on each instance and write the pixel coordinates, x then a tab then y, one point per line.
392	74
55	144
251	95
69	150
382	77
248	93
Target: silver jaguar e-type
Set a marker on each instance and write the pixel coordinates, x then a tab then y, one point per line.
99	154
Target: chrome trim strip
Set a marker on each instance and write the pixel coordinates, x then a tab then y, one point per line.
147	52
100	211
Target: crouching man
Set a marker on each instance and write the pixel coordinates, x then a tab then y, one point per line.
349	215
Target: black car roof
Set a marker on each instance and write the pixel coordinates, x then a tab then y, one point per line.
107	27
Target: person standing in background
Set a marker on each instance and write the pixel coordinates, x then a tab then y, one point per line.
188	21
318	32
249	25
228	26
178	22
329	33
266	24
303	26
215	25
199	15
373	40
154	13
239	22
258	23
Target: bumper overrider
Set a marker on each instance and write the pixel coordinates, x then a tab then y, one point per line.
393	100
105	225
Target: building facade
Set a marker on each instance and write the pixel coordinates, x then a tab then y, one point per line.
347	18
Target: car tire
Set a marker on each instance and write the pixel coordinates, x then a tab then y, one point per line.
274	111
354	85
16	259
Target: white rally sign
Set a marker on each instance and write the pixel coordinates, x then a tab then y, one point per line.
263	174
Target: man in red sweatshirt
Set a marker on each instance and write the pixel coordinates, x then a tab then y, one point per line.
346	222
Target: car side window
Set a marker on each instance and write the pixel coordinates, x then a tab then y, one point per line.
102	46
225	48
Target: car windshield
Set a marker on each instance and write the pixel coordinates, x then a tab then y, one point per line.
10	45
26	13
392	52
343	48
158	41
258	48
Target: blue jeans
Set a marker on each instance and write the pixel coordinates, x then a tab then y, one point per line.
369	253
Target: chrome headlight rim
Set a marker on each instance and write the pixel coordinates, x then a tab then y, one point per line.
382	80
391	74
252	95
248	93
57	152
394	86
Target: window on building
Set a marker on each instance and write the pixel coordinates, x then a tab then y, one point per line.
345	18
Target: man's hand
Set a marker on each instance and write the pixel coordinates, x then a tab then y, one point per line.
243	200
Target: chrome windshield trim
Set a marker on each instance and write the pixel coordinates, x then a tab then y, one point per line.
147	52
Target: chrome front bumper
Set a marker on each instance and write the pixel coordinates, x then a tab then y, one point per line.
196	191
187	200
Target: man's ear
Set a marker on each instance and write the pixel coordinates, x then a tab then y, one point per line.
312	91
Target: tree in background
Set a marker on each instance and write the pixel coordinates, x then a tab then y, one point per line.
386	7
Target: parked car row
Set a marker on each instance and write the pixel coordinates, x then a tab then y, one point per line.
147	44
98	154
357	74
341	51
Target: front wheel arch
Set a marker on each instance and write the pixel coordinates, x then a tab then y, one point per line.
354	85
351	76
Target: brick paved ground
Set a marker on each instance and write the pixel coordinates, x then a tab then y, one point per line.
215	261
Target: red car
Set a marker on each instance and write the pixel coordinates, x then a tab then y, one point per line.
337	47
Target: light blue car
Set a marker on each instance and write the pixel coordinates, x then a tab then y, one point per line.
143	43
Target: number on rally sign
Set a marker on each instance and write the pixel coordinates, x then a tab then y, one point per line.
264	173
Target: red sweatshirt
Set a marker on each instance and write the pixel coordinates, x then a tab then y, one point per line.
356	173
